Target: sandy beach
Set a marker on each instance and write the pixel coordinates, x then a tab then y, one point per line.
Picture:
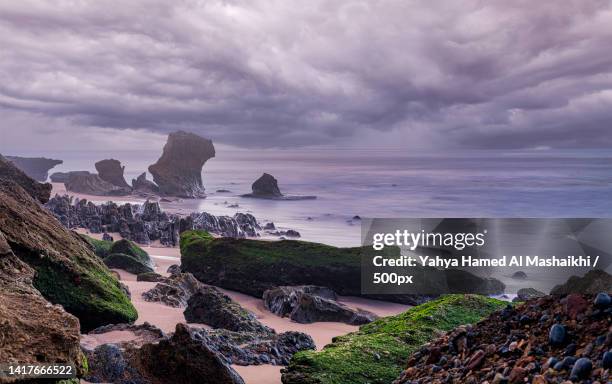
166	317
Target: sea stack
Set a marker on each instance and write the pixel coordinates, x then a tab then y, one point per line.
92	184
178	172
141	184
110	170
35	167
266	187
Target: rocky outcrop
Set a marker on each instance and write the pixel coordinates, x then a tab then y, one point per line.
62	177
525	294
254	266
309	304
127	247
182	358
209	306
111	171
141	184
178	172
32	330
147	222
150	277
35	167
546	340
266	187
92	184
377	352
67	271
38	191
592	282
174	290
127	263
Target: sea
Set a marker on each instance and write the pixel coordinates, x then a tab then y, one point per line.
385	183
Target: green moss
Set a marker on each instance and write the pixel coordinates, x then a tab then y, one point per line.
130	248
101	247
128	263
377	353
94	295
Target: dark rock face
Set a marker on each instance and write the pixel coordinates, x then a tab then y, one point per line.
92	184
308	304
38	191
542	341
594	281
185	357
127	263
150	277
141	184
147	222
35	167
111	171
174	291
67	271
33	330
62	177
266	186
209	306
178	172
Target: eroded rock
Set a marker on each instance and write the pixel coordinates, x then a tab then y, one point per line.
35	167
111	171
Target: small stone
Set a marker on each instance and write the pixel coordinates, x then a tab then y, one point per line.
582	369
556	335
602	300
606	361
475	360
575	304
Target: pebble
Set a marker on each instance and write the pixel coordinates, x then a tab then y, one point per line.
582	369
606	362
556	336
602	300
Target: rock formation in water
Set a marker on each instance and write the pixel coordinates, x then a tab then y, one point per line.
309	304
266	187
178	172
93	184
141	184
147	222
111	171
62	177
8	171
35	167
67	271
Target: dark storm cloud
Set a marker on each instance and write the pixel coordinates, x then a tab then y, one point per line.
278	73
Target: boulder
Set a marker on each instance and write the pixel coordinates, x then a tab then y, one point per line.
127	263
67	271
209	306
525	294
174	269
92	184
185	357
35	167
33	330
309	304
111	171
38	191
174	291
62	177
129	248
266	187
178	172
594	281
519	275
141	184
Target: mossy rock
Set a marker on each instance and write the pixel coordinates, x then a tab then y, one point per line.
377	353
126	262
130	248
101	248
253	266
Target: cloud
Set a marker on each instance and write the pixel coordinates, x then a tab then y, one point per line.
281	74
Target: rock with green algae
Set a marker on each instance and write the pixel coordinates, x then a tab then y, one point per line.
127	263
67	271
130	248
377	353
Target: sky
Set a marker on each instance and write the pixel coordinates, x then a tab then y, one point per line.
288	74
